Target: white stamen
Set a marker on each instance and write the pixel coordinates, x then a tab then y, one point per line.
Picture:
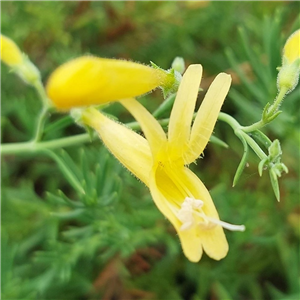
225	225
192	206
185	215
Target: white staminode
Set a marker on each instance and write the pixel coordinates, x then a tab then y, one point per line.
191	207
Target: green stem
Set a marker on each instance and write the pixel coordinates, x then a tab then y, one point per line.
35	146
229	120
42	93
260	153
165	106
40	124
270	113
44	113
275	106
255	126
32	147
238	129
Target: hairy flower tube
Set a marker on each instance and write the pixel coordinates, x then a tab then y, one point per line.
288	75
161	161
90	80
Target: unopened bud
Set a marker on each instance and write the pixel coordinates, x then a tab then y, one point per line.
18	61
288	75
90	80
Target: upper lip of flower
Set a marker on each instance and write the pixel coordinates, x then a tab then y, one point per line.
184	142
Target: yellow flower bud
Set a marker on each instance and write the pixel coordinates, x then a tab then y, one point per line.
90	80
18	62
291	50
288	75
10	53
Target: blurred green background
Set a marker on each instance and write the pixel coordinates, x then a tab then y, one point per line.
112	243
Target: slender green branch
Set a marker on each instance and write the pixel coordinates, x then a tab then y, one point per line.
165	106
42	93
36	146
40	124
32	147
254	126
44	113
238	129
275	106
269	115
229	120
260	153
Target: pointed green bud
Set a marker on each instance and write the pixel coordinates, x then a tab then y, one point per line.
178	64
275	185
275	151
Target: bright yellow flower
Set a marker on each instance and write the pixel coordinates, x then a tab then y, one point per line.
160	161
10	53
291	50
90	80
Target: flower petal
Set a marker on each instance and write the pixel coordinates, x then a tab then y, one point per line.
213	240
163	191
154	133
191	244
169	194
131	149
207	116
92	80
183	109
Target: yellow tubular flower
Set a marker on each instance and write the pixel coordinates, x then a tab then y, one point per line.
10	53
160	161
91	80
291	50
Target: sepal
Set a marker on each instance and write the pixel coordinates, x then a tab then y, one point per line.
171	82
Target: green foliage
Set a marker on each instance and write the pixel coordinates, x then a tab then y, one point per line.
76	225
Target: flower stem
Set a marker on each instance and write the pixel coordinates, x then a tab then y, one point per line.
229	120
33	147
275	106
44	112
271	111
260	153
42	93
239	131
40	124
37	146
